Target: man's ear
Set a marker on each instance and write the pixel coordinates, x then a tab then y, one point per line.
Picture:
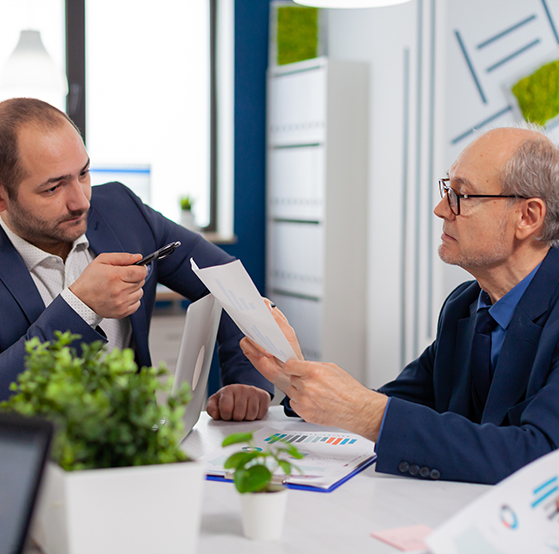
532	215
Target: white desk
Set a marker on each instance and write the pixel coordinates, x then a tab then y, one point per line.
337	522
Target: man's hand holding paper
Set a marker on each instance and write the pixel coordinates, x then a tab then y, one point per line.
234	290
266	363
320	393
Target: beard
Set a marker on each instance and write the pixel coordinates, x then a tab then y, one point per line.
40	231
476	259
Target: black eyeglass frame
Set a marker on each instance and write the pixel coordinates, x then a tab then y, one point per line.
449	192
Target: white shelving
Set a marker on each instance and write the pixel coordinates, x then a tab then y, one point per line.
316	205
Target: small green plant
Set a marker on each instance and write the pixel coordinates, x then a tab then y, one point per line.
105	410
186	203
251	472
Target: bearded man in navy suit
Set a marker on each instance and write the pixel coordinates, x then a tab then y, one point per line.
454	414
67	254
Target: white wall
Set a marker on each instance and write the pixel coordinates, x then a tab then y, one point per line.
438	68
403	267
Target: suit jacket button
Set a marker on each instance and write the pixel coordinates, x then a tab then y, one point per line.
424	472
403	467
435	474
414	470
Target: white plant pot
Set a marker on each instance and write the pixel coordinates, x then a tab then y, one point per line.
263	514
144	510
188	221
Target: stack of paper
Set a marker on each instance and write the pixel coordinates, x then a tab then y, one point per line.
330	458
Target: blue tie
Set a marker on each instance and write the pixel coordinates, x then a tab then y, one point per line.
480	365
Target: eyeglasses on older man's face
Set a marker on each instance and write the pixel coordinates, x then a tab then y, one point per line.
454	198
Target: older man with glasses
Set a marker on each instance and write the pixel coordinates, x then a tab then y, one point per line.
483	399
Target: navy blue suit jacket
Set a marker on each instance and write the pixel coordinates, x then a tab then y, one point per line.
118	222
427	422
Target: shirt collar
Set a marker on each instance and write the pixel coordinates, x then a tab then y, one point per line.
503	310
33	256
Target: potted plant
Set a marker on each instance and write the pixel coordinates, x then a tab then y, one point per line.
187	217
117	484
263	501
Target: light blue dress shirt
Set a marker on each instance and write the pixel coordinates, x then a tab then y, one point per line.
502	312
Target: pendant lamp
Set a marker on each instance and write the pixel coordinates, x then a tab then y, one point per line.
30	68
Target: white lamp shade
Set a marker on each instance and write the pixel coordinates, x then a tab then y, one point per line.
349	3
30	68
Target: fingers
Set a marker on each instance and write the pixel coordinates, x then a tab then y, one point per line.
213	406
296	368
119	258
286	329
111	286
238	403
269	366
250	348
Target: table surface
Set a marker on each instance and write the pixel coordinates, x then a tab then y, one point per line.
322	522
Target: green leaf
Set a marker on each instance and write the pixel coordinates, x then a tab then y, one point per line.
294	453
254	479
236	438
104	408
285	466
240	459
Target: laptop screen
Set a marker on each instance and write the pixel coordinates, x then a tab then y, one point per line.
24	445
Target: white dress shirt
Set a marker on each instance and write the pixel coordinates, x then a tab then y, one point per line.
53	277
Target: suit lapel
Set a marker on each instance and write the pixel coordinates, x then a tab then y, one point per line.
100	235
461	400
17	279
519	350
512	373
102	239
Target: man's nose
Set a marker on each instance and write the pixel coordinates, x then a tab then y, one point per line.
442	209
77	198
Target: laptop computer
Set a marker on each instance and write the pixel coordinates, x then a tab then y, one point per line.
195	355
24	447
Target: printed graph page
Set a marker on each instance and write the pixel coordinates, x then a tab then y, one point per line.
517	516
233	288
328	457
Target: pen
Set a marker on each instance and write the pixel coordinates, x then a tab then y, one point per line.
160	254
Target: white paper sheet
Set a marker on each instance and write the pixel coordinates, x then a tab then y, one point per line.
233	288
517	516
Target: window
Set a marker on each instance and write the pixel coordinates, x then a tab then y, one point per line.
47	17
148	96
147	81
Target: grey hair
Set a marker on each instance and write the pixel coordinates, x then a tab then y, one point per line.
533	172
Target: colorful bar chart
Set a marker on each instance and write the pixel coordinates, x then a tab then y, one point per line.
293	438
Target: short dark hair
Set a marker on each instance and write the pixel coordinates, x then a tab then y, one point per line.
14	114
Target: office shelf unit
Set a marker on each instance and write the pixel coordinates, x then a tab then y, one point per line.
316	205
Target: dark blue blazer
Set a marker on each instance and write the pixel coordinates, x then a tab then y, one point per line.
427	423
118	222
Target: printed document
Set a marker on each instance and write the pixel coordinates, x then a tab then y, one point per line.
517	516
233	288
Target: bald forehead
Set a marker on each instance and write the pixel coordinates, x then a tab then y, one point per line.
492	150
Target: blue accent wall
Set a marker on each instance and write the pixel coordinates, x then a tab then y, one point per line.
251	62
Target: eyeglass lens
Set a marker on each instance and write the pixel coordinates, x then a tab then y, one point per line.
453	200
